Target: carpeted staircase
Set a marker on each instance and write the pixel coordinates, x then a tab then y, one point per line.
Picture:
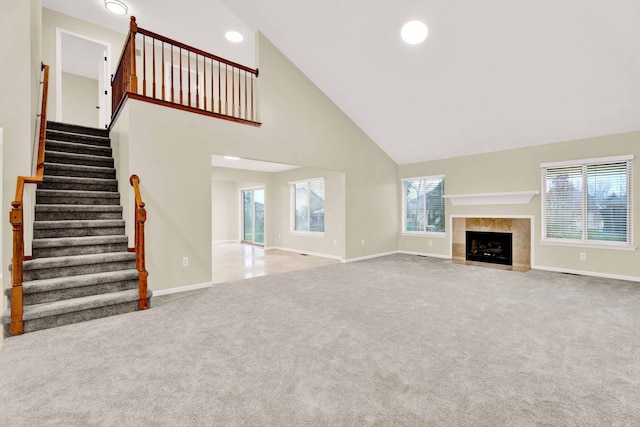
81	268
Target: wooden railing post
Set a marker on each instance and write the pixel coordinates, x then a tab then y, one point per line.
133	77
140	218
15	218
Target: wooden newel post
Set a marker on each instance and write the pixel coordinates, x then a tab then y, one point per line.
16	268
140	218
133	78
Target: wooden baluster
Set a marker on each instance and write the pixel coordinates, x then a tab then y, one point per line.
233	92
181	101
163	98
252	111
226	89
132	79
246	110
153	52
172	88
197	83
219	88
144	65
189	78
204	83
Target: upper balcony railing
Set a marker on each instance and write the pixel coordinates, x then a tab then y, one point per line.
163	71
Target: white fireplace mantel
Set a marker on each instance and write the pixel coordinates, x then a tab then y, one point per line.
503	198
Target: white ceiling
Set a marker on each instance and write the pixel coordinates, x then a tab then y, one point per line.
492	75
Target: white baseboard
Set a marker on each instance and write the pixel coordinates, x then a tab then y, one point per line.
362	258
298	251
179	289
586	273
430	255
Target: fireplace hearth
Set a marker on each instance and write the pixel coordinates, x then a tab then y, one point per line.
489	246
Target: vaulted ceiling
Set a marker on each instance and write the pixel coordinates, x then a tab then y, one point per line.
491	75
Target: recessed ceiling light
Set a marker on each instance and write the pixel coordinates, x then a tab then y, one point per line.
234	36
116	6
231	158
414	32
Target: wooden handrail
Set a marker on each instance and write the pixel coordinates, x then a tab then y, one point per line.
16	216
200	52
204	74
140	218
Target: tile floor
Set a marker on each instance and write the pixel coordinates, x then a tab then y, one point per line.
236	261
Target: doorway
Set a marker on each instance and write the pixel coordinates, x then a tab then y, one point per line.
252	227
83	86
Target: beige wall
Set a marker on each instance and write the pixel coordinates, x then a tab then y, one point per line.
227	183
52	20
519	170
79	100
170	151
19	84
332	243
224	211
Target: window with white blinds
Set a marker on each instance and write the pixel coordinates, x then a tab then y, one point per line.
588	201
423	205
307	201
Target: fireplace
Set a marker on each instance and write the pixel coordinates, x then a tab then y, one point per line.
489	246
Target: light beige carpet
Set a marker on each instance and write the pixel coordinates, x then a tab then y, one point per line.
399	340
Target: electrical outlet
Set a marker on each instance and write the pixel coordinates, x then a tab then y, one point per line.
335	242
185	261
583	256
362	242
430	243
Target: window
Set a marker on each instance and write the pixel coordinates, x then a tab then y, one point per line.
307	200
423	205
588	201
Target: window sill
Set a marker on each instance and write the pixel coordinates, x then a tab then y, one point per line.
435	235
591	245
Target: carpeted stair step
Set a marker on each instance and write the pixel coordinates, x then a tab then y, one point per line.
49	268
76	183
61	288
77	138
65	312
74	197
69	128
76	147
70	246
60	169
97	227
77	212
78	159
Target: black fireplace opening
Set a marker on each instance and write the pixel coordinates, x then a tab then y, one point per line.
489	246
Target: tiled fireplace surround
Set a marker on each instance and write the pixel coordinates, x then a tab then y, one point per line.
519	227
